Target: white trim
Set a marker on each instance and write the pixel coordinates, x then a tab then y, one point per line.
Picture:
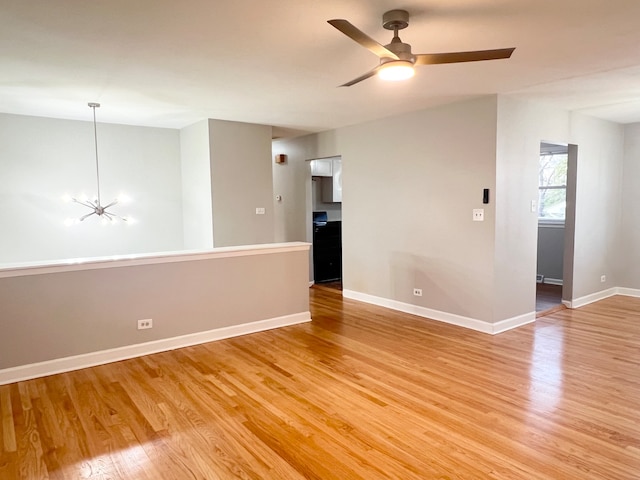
37	268
551	223
76	362
594	297
628	292
552	281
513	322
451	318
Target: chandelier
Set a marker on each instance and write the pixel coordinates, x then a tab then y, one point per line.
95	205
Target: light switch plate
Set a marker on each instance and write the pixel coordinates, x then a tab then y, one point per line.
259	211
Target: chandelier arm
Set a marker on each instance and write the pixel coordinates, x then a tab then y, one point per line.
86	204
111	204
118	217
87	215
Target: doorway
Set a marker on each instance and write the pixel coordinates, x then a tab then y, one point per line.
325	210
556	214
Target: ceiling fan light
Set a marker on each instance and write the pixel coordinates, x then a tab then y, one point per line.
397	70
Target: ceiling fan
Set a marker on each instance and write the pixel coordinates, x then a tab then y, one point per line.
396	60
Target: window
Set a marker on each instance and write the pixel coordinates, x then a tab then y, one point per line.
552	186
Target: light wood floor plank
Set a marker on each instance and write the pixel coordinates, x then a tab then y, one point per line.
359	393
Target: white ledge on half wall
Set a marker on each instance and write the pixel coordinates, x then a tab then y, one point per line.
90	263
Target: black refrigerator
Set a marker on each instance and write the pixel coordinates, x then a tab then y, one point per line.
327	249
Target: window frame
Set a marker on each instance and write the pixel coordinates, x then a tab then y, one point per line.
552	222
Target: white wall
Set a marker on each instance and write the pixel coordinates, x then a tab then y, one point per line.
630	242
196	186
41	159
241	181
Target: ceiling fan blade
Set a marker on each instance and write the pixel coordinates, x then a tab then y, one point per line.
369	74
362	38
458	57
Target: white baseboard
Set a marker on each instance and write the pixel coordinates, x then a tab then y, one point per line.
76	362
594	297
628	292
610	292
552	281
513	322
451	318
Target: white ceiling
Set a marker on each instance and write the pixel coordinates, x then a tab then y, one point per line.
169	64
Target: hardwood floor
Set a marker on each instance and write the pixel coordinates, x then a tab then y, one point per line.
359	393
548	298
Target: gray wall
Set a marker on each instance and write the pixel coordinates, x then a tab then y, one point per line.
550	251
41	159
521	127
422	174
598	203
241	181
410	184
630	243
196	186
179	182
226	174
84	311
292	181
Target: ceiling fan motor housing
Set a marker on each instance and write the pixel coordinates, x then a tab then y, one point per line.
395	19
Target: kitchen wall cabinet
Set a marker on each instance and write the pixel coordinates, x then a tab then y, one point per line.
332	186
321	167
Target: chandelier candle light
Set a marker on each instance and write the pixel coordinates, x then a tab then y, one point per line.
95	205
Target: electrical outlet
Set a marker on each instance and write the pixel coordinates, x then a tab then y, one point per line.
603	278
144	324
417	292
478	214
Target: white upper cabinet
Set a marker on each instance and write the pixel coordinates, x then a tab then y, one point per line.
332	187
321	167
